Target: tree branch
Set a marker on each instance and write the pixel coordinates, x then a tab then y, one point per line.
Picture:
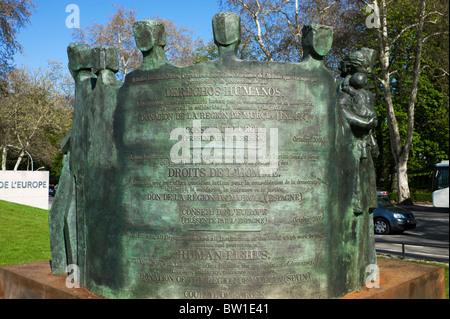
433	35
415	82
327	7
403	31
434	12
258	27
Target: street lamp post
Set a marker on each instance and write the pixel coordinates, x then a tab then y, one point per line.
32	165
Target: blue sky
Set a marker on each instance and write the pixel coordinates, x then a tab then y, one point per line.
47	37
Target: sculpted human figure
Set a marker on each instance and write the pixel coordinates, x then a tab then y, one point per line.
127	216
316	42
101	107
227	34
150	36
357	106
105	64
357	101
65	213
362	106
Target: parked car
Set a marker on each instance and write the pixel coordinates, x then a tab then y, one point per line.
51	190
383	194
387	218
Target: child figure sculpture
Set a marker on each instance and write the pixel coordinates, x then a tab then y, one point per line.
357	106
362	106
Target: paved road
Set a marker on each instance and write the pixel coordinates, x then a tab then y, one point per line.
429	241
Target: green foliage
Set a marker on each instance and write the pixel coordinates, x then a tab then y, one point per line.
24	234
430	142
205	53
431	138
14	15
36	114
56	168
420	196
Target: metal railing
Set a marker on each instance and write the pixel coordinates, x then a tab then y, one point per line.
411	244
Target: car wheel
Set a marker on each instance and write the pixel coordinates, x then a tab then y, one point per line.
381	226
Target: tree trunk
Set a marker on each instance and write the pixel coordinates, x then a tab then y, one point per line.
19	160
4	156
404	196
399	151
394	180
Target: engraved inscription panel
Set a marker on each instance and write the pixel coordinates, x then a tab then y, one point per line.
223	177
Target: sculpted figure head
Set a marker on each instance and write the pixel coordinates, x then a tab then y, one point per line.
149	34
317	40
226	28
105	57
105	61
360	61
80	57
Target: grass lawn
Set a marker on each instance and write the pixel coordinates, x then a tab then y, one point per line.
24	234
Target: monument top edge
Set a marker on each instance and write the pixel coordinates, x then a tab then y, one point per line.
150	38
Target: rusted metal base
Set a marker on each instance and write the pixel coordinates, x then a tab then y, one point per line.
405	280
35	281
398	280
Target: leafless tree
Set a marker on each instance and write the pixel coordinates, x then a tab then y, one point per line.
118	32
272	28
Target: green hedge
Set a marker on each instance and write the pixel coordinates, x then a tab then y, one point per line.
415	196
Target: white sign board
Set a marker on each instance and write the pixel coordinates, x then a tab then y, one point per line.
24	187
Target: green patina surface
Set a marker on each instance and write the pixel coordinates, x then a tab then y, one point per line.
227	179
